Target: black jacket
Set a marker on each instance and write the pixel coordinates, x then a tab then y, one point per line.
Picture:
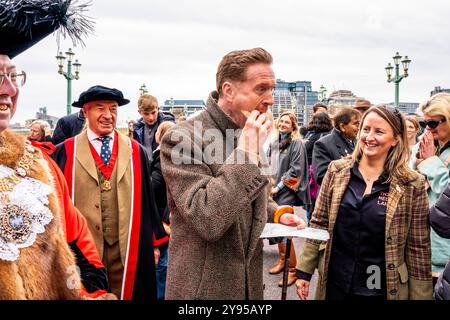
440	221
331	147
68	126
159	187
138	132
310	139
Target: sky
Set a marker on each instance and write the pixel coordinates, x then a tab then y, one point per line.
174	47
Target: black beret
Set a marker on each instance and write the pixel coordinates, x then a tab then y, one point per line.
97	93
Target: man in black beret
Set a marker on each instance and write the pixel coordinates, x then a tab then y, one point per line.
42	234
109	179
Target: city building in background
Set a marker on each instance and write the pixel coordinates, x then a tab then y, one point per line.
438	90
183	107
297	97
40	115
343	97
339	99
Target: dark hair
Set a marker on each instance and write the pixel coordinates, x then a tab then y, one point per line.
344	116
319	105
234	65
320	122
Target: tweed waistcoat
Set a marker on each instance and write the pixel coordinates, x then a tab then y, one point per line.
87	193
109	209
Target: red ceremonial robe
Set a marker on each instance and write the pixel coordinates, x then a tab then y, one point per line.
146	230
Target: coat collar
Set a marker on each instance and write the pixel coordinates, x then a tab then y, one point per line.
124	155
222	120
85	158
11	148
343	143
83	155
396	190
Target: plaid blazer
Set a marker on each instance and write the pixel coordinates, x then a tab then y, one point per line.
407	234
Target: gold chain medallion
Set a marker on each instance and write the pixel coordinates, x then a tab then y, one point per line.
15	224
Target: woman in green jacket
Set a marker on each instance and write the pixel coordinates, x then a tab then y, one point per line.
431	157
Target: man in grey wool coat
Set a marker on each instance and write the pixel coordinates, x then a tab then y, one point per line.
218	194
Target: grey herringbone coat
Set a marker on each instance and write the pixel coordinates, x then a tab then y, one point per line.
218	211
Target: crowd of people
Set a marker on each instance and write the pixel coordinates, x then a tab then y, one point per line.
175	210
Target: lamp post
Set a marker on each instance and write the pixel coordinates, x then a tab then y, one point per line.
397	77
68	73
143	89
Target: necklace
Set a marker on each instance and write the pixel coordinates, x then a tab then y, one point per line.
8	183
24	206
369	179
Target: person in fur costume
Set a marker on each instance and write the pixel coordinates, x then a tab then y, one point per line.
46	250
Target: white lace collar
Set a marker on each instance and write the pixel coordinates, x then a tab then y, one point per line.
24	217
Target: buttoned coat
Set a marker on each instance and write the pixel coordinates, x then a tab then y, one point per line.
218	211
407	234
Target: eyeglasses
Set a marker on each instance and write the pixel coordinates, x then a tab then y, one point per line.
432	124
17	79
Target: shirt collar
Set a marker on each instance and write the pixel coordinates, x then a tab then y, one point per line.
342	135
381	179
92	136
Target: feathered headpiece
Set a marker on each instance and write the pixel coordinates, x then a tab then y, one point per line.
23	23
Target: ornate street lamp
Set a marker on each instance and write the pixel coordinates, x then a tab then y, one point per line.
397	77
143	89
60	58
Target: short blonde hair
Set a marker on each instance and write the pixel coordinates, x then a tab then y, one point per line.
44	126
437	105
147	102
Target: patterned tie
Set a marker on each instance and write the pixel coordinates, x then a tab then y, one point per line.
105	152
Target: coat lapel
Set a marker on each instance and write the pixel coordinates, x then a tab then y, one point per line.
341	181
123	157
395	194
124	192
84	156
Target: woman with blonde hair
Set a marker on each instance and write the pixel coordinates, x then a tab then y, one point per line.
412	128
431	158
288	160
375	209
40	131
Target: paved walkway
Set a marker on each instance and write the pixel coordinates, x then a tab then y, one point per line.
270	253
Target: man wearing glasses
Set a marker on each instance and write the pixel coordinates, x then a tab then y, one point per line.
40	257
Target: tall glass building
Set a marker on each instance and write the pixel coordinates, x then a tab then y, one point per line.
297	97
